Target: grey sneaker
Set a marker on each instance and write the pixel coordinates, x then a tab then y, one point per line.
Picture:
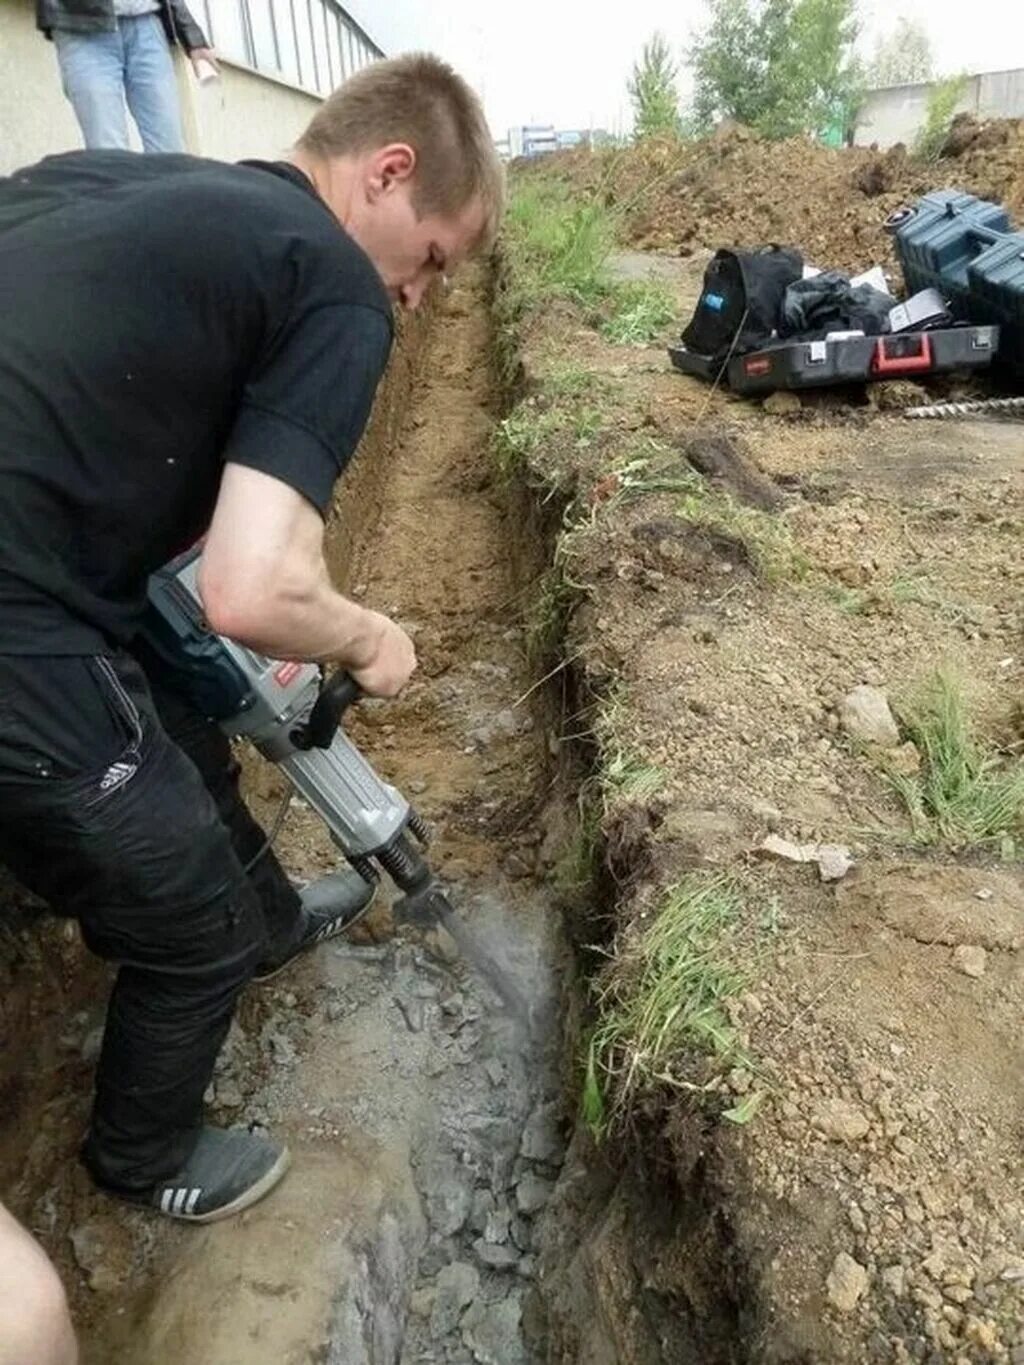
228	1171
330	905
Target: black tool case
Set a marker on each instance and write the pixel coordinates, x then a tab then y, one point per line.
690	362
857	359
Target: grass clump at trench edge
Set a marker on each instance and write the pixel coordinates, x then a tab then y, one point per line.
529	426
558	244
966	794
663	996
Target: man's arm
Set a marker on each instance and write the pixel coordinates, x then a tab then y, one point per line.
264	583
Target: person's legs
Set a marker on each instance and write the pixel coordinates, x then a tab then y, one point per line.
151	85
103	815
34	1321
208	748
92	72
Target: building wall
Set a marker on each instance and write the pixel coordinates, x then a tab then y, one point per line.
35	118
898	113
241	114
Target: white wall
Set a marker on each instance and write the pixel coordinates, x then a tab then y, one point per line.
897	113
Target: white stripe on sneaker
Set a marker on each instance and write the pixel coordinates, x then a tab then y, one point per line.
165	1200
193	1200
179	1200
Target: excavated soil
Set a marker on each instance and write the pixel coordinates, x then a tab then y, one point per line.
738	189
873	1209
424	1120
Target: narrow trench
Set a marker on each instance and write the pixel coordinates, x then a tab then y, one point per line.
425	1124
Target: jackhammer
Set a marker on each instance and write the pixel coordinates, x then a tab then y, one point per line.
292	715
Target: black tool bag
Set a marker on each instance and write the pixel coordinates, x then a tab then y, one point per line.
741	303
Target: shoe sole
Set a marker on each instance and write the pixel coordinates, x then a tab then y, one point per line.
260	977
246	1199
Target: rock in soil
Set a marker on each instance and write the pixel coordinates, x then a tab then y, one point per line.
782	403
970	959
866	717
840	1121
846	1283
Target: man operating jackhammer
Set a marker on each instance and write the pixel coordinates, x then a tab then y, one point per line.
191	348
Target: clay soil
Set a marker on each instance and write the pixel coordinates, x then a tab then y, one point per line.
738	189
892	1127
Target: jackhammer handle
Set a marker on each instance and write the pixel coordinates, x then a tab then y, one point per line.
337	694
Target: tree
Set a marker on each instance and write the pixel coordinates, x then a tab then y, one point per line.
904	57
652	89
780	66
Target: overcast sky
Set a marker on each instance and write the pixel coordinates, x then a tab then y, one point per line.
557	61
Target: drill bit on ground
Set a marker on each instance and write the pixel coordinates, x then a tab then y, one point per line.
976	407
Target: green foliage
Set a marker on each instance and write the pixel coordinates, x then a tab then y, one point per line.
664	995
943	99
560	244
904	57
783	67
964	796
652	89
642	311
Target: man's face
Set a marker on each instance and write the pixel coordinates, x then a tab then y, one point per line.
409	252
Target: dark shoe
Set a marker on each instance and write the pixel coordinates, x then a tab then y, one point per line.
330	905
227	1172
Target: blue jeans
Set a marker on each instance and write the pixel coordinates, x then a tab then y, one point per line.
132	62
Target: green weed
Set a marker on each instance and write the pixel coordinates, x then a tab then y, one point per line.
640	313
665	994
965	795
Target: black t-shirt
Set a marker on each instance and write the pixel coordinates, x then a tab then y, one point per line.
158	316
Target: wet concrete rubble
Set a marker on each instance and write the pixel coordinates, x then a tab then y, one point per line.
486	1131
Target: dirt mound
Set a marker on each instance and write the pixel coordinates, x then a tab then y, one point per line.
736	188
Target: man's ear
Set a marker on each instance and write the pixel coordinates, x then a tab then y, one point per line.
392	165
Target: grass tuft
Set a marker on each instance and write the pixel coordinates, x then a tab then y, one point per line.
965	795
641	311
665	995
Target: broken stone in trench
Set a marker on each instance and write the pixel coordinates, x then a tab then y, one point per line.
496	1225
448	1200
542	1138
483	1206
497	1257
492	1332
457	1286
533	1192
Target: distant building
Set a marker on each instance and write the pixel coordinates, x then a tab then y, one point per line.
537	139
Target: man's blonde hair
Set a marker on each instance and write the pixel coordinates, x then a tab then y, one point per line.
418	99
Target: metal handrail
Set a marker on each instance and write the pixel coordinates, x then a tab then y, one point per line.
353	43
